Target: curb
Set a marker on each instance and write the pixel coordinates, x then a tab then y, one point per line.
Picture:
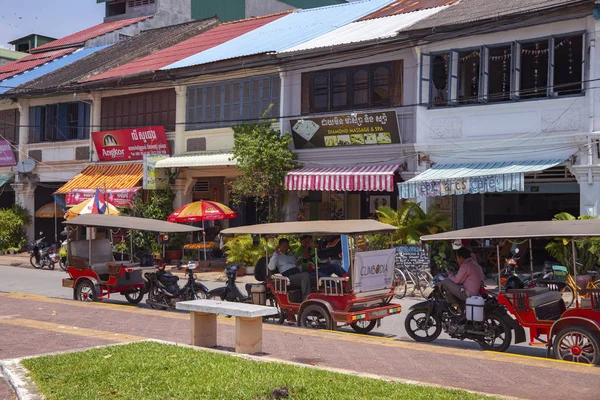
25	388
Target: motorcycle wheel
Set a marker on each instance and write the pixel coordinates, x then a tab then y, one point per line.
315	316
415	322
502	334
62	264
278	318
152	297
34	263
86	292
399	284
200	294
363	327
425	286
568	296
134	297
51	265
577	344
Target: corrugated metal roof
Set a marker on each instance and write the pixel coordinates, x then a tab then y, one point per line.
31	61
120	53
197	160
291	30
105	176
363	31
17	80
11	55
79	38
195	45
406	6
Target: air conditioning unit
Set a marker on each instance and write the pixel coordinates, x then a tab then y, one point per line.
201	186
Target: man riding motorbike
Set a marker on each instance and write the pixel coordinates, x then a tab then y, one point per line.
466	282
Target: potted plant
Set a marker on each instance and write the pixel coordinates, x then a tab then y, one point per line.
174	252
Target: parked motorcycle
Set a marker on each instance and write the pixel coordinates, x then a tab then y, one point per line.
164	291
42	255
482	319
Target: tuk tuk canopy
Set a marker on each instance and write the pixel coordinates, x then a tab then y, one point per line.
341	227
132	223
525	230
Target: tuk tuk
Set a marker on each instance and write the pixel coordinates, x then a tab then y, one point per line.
572	334
360	299
93	272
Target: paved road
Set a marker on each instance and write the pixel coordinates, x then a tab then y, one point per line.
48	283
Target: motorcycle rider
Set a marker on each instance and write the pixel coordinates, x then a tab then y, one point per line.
466	282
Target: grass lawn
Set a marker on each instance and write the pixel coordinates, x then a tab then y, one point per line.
148	370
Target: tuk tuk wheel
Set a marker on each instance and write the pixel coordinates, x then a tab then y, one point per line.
316	316
135	296
577	344
363	327
86	291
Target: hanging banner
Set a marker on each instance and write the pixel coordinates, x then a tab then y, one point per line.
373	270
130	144
155	178
117	197
461	186
360	129
7	157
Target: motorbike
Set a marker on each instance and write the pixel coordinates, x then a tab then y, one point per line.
164	291
42	255
481	319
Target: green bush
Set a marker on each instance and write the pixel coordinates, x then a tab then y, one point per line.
241	250
13	222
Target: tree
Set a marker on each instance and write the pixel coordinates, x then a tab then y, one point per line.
264	157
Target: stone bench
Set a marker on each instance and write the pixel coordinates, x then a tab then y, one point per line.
248	323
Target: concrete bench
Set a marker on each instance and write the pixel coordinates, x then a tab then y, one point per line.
248	323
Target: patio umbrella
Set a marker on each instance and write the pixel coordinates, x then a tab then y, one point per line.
200	211
95	205
51	210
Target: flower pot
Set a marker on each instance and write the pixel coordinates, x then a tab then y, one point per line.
174	255
241	271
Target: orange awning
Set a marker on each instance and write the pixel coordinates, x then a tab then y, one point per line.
105	177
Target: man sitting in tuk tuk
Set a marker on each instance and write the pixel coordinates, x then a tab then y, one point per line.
306	255
467	281
285	263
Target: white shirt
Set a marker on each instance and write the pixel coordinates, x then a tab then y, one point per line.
282	262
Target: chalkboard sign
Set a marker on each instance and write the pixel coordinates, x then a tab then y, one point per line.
412	257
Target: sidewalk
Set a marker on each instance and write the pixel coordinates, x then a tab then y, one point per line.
54	325
6	392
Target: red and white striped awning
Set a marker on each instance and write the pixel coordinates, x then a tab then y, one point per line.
375	178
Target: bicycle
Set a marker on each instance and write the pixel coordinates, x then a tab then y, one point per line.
416	279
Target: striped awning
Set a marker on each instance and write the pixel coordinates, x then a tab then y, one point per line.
375	178
105	177
472	178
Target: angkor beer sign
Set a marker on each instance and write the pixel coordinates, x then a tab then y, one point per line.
130	144
7	157
362	129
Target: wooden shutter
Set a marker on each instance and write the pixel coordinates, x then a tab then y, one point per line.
305	100
550	92
516	71
397	83
453	77
484	74
425	83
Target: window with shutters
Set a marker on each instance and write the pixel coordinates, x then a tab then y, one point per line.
231	102
529	69
59	122
9	125
138	110
365	86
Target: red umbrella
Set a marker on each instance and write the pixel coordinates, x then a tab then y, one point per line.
202	211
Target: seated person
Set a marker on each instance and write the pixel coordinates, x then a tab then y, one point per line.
467	280
306	258
285	263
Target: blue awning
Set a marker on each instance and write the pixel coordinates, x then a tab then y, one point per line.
472	178
5	178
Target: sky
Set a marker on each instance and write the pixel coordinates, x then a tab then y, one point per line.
54	18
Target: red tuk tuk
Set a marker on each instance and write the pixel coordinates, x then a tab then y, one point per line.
572	334
360	299
93	272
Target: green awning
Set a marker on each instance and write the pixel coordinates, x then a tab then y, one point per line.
5	178
473	178
102	1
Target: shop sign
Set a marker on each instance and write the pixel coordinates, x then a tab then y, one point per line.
130	144
117	197
373	270
412	257
461	186
362	129
154	178
7	157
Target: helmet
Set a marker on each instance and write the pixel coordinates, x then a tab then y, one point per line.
513	282
456	244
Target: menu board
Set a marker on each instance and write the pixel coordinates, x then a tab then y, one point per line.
361	129
411	257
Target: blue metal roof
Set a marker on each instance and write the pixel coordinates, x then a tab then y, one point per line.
17	80
288	31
